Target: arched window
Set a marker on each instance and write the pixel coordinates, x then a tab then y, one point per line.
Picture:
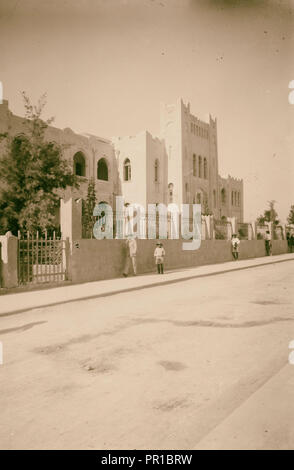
214	198
194	165
102	170
232	198
200	167
223	196
156	171
205	168
127	170
79	164
198	198
239	199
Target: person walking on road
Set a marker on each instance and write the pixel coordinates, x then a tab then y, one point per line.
159	254
131	256
235	246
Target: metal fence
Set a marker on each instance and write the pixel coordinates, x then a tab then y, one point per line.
141	225
41	259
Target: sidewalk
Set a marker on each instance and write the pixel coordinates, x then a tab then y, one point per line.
23	301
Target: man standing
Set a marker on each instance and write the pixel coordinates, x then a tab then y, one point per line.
235	246
288	237
291	242
131	248
159	254
268	243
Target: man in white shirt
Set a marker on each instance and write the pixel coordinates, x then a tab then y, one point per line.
268	243
235	246
159	254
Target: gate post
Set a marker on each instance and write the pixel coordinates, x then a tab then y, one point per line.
71	219
9	252
0	264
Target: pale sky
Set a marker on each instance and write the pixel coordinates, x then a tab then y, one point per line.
107	64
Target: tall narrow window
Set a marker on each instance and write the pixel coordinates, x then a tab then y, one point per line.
156	171
102	170
170	191
194	165
200	167
214	198
205	168
127	170
223	196
79	164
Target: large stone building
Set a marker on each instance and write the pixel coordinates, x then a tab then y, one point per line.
90	156
179	166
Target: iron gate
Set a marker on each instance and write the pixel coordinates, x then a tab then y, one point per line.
41	259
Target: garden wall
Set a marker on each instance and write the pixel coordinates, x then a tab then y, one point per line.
93	260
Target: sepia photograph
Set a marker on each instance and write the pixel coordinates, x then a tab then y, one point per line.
146	227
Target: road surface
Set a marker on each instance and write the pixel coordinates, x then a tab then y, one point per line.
201	363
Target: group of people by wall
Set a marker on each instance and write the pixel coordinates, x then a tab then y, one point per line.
131	256
159	252
267	241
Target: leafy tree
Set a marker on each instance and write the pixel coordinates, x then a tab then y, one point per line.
269	215
88	207
291	215
32	174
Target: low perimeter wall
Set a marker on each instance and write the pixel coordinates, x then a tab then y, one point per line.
8	260
93	260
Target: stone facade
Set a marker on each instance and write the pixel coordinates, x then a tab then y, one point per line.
90	156
179	166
